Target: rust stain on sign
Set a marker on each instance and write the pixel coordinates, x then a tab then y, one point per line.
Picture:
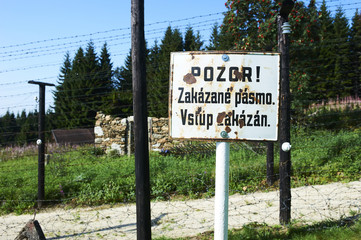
220	117
238	74
241	123
228	129
198	110
189	78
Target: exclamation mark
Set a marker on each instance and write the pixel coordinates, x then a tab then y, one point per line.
258	69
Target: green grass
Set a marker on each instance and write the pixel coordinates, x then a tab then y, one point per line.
329	230
85	177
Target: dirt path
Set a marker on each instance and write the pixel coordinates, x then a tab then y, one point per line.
188	218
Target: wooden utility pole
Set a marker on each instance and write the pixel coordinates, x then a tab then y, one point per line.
41	141
285	119
141	151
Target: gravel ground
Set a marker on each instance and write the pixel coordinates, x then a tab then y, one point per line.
188	218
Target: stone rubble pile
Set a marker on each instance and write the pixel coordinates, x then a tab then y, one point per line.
116	134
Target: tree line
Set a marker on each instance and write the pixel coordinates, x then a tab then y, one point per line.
325	55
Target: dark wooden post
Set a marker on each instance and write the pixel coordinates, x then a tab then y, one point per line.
41	141
285	119
270	164
141	151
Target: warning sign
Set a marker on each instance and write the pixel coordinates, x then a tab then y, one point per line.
224	95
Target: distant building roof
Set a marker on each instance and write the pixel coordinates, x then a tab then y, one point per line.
74	136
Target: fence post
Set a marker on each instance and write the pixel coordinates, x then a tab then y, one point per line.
141	151
270	163
130	137
285	119
41	141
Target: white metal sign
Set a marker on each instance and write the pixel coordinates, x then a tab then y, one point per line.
224	95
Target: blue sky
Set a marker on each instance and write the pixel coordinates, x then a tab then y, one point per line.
35	35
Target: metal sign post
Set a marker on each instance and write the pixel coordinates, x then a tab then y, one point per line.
222	191
224	96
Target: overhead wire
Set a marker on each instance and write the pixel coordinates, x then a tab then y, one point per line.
153	31
108	31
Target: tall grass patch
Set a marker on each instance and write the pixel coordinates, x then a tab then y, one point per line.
85	176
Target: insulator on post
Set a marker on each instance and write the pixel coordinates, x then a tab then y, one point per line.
286	28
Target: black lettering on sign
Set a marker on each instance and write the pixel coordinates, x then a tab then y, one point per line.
246	73
243	119
219	77
180	95
234	74
183	116
198	118
208	74
196	71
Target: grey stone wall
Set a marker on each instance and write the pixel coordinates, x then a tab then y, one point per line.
116	134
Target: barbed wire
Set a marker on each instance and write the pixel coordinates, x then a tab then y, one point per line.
170	217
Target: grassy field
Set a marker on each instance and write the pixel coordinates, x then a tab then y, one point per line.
346	229
85	176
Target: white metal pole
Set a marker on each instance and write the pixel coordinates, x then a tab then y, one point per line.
222	185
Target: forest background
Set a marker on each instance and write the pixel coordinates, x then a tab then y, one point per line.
325	67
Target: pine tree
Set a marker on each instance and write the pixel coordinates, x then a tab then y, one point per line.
62	94
77	114
192	42
355	59
325	58
214	38
106	70
105	81
124	74
342	84
8	129
85	86
303	52
21	137
122	97
91	86
159	84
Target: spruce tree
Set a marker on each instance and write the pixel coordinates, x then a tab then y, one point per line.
8	129
324	63
122	97
153	64
124	74
214	38
85	86
106	70
159	84
105	81
355	59
91	86
77	106
192	42
342	84
21	137
63	94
